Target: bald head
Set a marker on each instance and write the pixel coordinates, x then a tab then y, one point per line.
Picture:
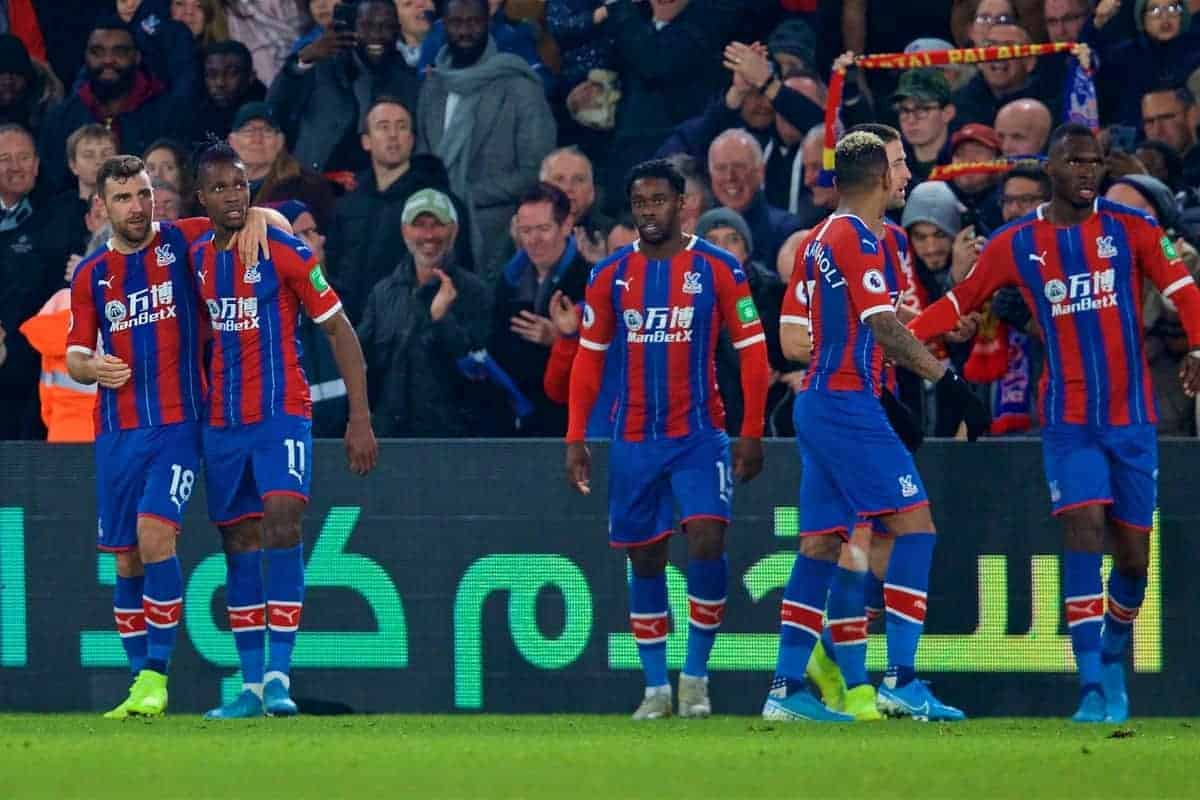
735	168
1023	127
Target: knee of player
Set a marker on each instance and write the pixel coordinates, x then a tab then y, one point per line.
706	539
129	564
243	537
821	547
648	561
156	540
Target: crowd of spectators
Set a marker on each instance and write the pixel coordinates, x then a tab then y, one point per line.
458	167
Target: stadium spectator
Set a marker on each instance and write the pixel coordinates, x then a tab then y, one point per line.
419	321
571	171
416	20
167	202
116	92
483	113
1065	19
316	18
725	228
818	201
1022	190
1000	82
793	46
323	91
330	408
168	51
575	26
27	89
941	249
956	75
1023	126
623	233
1164	52
274	174
667	70
988	14
229	83
1166	342
977	143
515	37
922	104
205	19
697	196
19	18
268	28
87	149
784	181
736	171
66	405
366	234
547	262
31	262
1161	161
1171	116
169	161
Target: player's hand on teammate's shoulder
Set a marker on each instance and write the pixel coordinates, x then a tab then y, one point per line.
747	459
579	467
112	372
563	314
362	450
1189	373
447	293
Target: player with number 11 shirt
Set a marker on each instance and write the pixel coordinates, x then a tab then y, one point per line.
258	440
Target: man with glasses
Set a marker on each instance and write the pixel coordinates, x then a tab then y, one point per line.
922	102
1065	19
990	13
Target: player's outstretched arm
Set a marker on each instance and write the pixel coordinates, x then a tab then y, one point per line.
361	448
107	370
903	349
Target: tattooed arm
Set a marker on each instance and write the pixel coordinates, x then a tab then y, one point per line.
902	348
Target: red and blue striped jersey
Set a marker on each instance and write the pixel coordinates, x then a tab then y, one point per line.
1084	285
253	313
662	319
143	309
844	275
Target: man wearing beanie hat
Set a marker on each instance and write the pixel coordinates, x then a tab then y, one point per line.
726	229
793	45
24	91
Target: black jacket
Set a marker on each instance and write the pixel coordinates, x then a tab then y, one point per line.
32	260
525	362
208	119
769	227
321	107
366	235
413	380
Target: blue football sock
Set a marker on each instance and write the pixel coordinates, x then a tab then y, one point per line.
847	624
131	620
162	603
1125	595
285	600
801	616
650	621
905	594
873	596
1085	612
247	612
706	579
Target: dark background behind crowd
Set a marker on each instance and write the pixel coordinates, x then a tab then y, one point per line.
457	167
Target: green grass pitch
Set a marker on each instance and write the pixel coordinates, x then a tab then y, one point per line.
576	757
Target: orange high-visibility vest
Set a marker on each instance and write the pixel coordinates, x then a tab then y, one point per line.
67	405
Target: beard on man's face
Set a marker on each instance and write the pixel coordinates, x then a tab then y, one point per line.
107	87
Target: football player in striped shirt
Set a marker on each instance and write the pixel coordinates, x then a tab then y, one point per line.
855	468
1080	262
136	296
657	306
257	442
